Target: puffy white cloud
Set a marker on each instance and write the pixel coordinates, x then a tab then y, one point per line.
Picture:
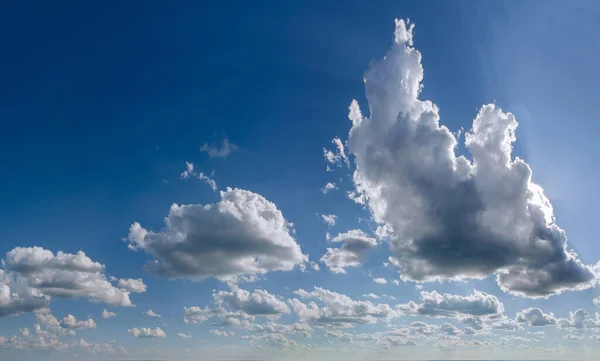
446	216
355	245
343	336
596	301
277	340
219	152
144	332
328	187
196	314
184	335
433	304
579	319
35	260
47	319
330	219
449	329
337	309
371	295
389	342
151	313
257	303
224	333
243	234
108	314
475	323
95	347
535	317
236	307
32	275
423	328
380	281
133	285
71	323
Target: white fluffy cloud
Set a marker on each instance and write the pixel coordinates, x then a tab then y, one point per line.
144	332
71	323
535	317
32	275
433	304
446	216
355	245
184	335
151	313
449	329
237	308
243	234
133	285
196	314
579	319
256	303
222	333
380	281
108	314
336	309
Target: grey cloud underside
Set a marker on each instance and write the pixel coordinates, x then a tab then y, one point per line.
355	245
478	306
33	275
446	216
243	234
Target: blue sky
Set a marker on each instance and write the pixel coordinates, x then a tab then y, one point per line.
104	106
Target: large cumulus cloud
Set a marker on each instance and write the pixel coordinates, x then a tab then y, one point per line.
243	234
447	216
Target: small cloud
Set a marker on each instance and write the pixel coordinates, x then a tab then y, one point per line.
133	285
147	332
222	333
380	281
184	335
151	313
190	173
328	187
329	219
108	314
338	157
219	152
211	182
189	170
